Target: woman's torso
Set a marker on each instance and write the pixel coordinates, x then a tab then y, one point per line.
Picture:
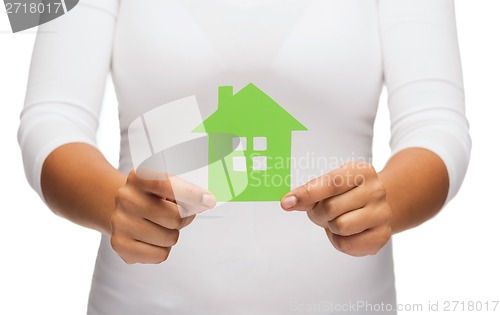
321	61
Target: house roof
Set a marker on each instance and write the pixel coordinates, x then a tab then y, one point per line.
250	110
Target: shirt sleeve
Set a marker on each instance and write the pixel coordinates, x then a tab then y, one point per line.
70	63
423	75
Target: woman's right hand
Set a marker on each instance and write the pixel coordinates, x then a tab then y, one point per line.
146	221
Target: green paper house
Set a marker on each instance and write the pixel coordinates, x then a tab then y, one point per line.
258	133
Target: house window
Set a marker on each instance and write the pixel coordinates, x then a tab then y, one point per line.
259	163
239	164
239	144
260	143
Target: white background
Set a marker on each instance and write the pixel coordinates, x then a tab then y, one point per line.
46	263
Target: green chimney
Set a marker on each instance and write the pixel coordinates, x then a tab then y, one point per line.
225	96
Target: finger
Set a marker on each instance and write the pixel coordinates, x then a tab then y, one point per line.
192	198
180	191
167	214
369	242
331	184
160	211
154	234
332	207
357	221
132	251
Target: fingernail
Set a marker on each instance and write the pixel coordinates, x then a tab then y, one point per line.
209	200
289	202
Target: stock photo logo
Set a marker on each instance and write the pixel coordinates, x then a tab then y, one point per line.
243	144
27	14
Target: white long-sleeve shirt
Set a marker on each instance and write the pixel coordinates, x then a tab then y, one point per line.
324	61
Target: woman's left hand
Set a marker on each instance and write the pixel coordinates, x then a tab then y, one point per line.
350	203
